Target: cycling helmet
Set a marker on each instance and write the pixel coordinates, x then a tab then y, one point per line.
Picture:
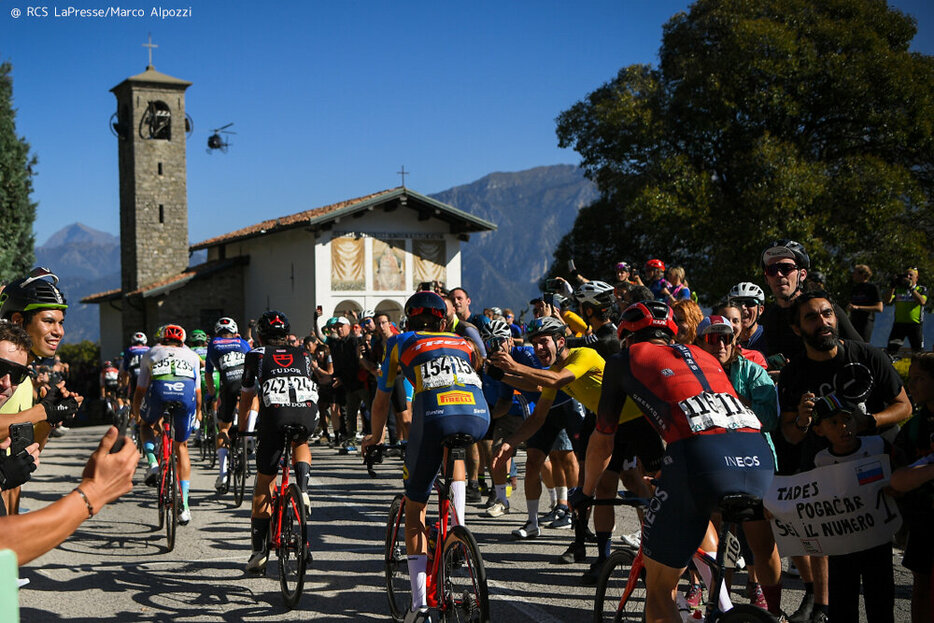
157	336
139	338
787	249
226	324
599	294
747	290
656	264
108	364
31	293
622	267
367	313
172	332
425	303
546	325
198	337
495	328
273	324
648	319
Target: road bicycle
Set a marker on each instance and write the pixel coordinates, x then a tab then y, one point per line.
621	593
288	526
209	436
238	467
170	494
456	583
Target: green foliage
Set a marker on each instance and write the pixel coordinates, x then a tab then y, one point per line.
765	119
85	352
17	212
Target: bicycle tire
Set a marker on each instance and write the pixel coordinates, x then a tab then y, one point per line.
398	586
746	613
161	500
171	507
292	552
239	482
611	587
465	597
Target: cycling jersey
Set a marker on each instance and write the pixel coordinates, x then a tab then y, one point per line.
109	377
448	399
131	359
170	374
227	355
281	376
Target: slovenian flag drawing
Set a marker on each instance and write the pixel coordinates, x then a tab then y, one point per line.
869	472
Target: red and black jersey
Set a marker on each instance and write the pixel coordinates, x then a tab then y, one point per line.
282	378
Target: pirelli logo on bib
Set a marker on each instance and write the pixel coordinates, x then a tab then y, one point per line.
456	398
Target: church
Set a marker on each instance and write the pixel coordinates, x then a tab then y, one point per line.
367	253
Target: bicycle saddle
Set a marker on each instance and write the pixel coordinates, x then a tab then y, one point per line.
459	440
739	507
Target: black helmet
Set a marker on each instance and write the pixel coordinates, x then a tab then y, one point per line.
273	324
787	248
425	303
31	293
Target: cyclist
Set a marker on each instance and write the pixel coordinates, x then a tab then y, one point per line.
129	367
198	342
110	382
281	376
168	372
448	400
714	448
226	353
751	300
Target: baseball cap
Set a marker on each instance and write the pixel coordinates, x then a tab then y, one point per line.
714	324
830	405
341	320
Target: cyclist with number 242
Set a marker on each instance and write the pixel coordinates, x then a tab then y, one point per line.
714	448
448	400
281	376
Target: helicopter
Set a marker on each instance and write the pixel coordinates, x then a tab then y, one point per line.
216	141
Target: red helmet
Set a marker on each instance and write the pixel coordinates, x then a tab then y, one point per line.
648	319
173	332
660	265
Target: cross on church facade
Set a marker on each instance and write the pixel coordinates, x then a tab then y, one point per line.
402	173
150	45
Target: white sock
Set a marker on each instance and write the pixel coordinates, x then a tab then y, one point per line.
459	493
418	566
501	493
251	420
222	460
707	576
553	496
533	512
562	494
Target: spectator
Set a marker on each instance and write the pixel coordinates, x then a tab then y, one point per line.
655	280
750	299
732	312
688	315
909	299
510	317
865	301
625	273
678	288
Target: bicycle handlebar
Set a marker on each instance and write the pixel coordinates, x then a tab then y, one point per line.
626	498
373	456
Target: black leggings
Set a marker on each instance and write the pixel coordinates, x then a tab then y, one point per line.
874	567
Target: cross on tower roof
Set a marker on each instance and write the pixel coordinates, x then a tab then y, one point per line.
402	173
150	45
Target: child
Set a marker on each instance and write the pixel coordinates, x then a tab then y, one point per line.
833	421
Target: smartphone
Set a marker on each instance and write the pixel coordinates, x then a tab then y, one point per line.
118	444
319	309
22	435
551	285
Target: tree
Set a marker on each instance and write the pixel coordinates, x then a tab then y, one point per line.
17	211
765	119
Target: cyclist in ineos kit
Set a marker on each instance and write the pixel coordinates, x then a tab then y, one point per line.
714	448
282	377
447	401
226	353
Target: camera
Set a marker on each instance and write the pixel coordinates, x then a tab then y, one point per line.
551	285
55	378
900	281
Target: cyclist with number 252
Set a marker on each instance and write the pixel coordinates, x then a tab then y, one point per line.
448	400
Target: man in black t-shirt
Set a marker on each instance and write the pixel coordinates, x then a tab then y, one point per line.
865	301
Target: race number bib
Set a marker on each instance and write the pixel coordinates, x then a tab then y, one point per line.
445	372
170	366
233	359
289	390
110	376
708	410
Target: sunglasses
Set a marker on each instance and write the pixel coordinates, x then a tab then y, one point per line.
746	302
17	372
784	268
716	338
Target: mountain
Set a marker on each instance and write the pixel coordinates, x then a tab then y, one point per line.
533	210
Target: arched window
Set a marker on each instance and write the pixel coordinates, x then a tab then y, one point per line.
156	122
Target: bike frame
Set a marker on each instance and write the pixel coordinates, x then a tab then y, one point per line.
278	494
168	449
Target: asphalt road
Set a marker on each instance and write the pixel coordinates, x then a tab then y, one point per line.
116	567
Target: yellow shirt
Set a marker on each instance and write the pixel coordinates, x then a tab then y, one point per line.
587	366
575	322
20	400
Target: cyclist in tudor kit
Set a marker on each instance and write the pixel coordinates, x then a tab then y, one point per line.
282	377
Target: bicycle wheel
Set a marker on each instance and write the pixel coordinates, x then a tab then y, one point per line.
161	497
398	586
171	505
239	475
292	551
463	579
746	613
611	589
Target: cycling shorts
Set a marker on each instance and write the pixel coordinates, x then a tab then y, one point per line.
697	472
398	395
163	392
227	402
269	442
425	452
636	438
565	419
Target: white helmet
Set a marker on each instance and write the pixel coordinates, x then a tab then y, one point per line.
596	293
495	328
747	290
139	338
226	324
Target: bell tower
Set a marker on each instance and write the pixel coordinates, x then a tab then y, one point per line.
151	126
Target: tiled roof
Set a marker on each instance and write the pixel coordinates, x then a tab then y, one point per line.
319	216
167	284
156	77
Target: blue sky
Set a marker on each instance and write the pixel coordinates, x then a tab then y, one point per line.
328	99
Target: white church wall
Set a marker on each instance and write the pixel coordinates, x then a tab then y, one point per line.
111	329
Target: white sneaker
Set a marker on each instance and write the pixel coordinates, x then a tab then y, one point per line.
498	509
221	482
633	540
152	475
527	531
184	517
256	563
